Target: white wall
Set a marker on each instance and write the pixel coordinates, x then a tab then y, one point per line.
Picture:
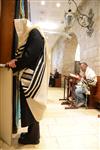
90	46
64	51
63	55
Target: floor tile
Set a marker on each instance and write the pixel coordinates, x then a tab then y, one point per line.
71	129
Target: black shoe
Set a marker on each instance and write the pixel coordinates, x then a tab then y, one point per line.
65	103
23	134
26	139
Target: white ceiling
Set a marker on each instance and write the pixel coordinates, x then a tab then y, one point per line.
49	12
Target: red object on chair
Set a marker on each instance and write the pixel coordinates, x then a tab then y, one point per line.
58	81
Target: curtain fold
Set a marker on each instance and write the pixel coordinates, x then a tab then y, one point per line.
21	11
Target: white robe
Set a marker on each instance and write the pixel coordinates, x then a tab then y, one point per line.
37	104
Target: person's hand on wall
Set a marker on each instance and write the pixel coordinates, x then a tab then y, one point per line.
11	63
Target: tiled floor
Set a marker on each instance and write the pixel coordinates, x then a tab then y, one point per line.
64	129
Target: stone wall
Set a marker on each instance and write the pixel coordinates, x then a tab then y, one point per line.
63	55
90	46
64	51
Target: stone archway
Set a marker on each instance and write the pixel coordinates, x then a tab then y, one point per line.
63	54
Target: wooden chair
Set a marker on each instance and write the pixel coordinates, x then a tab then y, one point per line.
58	81
94	98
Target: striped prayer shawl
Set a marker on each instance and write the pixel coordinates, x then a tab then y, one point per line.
19	51
31	80
86	84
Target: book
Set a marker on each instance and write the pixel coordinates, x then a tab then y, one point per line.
74	76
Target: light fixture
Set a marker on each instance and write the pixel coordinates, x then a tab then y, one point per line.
42	2
58	5
73	13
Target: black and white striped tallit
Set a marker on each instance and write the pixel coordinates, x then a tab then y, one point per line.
34	82
31	80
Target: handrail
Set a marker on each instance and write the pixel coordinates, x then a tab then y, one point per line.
3	65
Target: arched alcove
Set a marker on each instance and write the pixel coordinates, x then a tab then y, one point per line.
63	55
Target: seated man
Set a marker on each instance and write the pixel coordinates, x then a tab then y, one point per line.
86	79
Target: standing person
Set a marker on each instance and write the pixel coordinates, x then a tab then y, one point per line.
32	63
86	79
56	74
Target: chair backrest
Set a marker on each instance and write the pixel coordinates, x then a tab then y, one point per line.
94	98
96	90
58	81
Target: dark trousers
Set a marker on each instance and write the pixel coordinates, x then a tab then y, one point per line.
27	118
